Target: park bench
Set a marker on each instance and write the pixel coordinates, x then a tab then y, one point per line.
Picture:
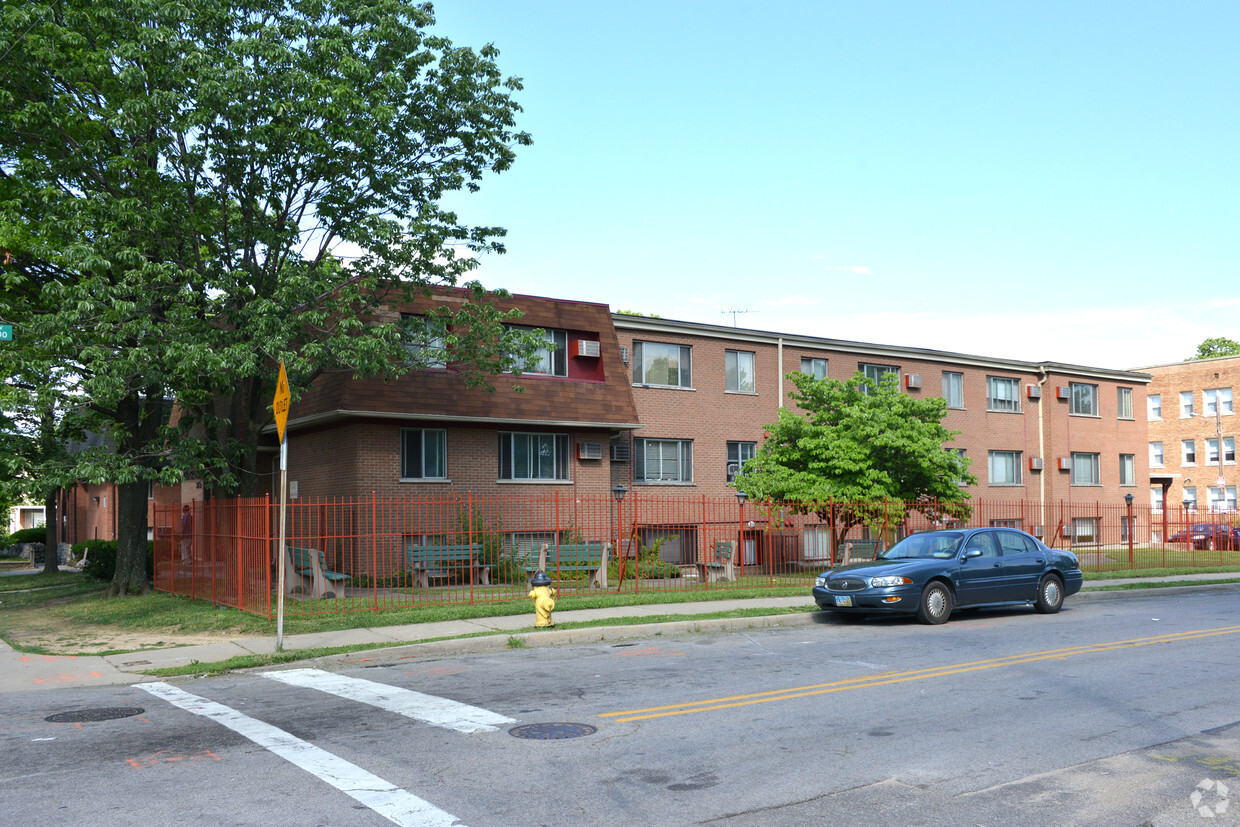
588	557
442	559
720	564
305	567
860	550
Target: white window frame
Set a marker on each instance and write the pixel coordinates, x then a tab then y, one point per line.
815	366
415	440
645	353
1008	401
674	460
1190	494
1084	399
520	452
1156	455
738	370
1004	461
875	373
1123	403
1229	450
1086	469
1212	397
1153	407
1188	452
953	389
551	360
1226	502
1186	404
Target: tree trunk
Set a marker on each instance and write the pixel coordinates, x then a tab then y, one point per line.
51	540
131	543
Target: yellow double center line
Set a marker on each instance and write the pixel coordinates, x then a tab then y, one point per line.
887	678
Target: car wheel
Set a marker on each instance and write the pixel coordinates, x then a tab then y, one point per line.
1050	595
936	604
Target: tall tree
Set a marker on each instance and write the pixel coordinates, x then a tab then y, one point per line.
177	180
858	453
1216	346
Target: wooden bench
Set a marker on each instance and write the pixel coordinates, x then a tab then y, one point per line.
589	557
721	565
305	568
442	559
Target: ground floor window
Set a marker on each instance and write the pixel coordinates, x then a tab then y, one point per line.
533	456
423	454
1085	531
663	460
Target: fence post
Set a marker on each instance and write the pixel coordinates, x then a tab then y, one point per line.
469	521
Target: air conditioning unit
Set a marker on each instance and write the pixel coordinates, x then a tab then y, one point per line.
1064	392
620	451
587	347
1038	531
1034	391
912	381
1065	463
589	450
1035	463
624	354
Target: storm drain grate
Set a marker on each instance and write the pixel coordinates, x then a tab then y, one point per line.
107	713
552	732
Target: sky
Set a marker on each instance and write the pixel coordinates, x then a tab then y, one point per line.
1041	181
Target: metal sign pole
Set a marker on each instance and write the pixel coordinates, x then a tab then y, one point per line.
283	549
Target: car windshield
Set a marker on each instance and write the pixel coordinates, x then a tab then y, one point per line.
939	544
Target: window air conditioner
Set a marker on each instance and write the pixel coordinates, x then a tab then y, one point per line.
589	450
1035	463
1065	464
587	347
620	451
624	354
912	381
1034	391
1038	531
1064	392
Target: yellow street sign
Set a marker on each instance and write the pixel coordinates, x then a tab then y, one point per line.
280	404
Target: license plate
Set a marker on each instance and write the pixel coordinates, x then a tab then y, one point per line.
843	600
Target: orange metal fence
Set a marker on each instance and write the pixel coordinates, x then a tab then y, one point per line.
373	553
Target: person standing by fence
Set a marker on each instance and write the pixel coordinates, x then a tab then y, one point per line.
187	532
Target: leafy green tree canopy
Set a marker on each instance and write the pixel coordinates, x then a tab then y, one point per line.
855	453
1216	346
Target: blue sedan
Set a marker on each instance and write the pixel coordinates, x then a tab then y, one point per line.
931	573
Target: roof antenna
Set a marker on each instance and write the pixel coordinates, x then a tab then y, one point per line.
736	313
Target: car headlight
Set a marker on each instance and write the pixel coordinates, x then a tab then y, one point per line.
820	581
885	582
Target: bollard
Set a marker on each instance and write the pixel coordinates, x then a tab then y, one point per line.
543	596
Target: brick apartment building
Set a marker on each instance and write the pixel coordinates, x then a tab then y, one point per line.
1192	436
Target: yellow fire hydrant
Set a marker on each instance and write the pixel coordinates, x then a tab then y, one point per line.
544	602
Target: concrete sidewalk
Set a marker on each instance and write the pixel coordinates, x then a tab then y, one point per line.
22	672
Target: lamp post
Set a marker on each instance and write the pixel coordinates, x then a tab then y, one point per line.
1188	536
618	492
1128	502
740	528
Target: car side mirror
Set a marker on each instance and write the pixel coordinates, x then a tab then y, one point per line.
972	552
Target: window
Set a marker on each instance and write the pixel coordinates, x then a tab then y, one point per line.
875	373
1186	404
533	456
1085	470
964	464
423	454
1004	467
655	363
423	337
738	371
1084	530
1127	469
1188	452
1154	405
1084	399
816	368
1124	403
738	452
1217	401
953	389
1002	394
1229	450
1190	496
663	460
551	359
1156	497
1156	455
1222	499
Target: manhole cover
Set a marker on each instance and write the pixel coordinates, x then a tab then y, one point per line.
552	732
107	713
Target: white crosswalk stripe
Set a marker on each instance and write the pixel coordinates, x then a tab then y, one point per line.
386	799
436	711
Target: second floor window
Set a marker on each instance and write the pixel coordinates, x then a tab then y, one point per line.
738	370
953	389
1217	401
1156	455
1002	394
875	373
738	452
1186	404
1229	450
1124	403
1188	449
1153	404
424	339
1127	469
656	363
1084	399
552	358
1085	470
816	368
1004	467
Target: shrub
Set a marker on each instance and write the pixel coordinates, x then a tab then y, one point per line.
101	559
28	535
